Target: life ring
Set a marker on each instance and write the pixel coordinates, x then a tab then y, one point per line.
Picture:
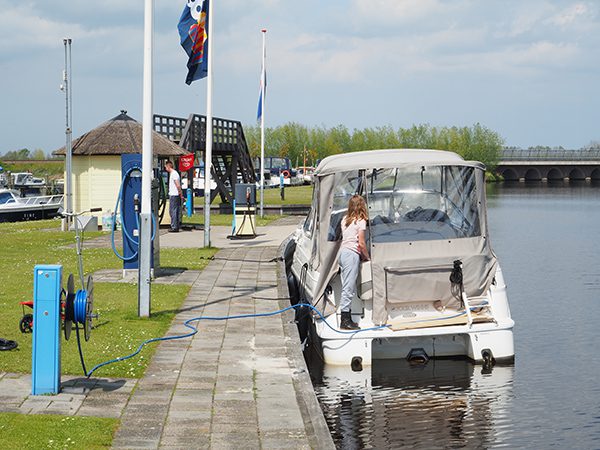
285	173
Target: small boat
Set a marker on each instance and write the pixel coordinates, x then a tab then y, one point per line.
3	178
433	286
26	180
306	174
279	166
17	209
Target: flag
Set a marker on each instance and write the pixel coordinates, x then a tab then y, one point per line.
263	91
263	88
186	162
193	31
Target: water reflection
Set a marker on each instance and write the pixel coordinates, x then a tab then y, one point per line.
546	238
444	403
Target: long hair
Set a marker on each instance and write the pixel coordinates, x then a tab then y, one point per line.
357	209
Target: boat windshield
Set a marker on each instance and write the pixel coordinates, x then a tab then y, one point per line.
422	203
6	197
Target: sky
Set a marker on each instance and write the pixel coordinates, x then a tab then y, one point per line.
529	70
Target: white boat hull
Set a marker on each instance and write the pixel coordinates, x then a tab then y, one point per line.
437	343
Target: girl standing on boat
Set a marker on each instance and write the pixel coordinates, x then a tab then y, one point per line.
353	249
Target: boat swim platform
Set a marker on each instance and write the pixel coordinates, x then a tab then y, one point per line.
434	321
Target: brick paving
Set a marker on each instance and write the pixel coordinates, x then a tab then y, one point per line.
233	385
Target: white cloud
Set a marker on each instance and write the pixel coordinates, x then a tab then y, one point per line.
571	15
397	11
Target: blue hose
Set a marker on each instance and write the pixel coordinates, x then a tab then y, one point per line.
79	306
188	324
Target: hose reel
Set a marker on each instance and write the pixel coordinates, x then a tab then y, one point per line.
79	307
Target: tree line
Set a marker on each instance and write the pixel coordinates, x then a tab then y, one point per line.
297	141
25	154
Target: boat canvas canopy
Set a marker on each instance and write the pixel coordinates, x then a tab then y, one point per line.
390	158
426	210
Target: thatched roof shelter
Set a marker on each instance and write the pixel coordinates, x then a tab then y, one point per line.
120	135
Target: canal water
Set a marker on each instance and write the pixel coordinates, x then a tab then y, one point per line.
547	239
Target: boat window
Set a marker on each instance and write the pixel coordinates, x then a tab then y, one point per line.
309	222
346	185
6	197
423	203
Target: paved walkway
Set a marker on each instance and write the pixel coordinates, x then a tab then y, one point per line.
237	383
99	397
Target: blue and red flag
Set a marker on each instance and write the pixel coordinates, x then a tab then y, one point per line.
193	31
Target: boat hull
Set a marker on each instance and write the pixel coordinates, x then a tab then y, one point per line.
472	344
23	214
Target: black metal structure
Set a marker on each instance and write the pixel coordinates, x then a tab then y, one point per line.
230	154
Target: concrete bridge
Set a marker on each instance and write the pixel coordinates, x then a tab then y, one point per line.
549	165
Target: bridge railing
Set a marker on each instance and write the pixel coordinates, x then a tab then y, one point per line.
549	155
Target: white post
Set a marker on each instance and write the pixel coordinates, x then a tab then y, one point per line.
262	124
209	128
68	135
145	243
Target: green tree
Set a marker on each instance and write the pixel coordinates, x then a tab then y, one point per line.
289	140
38	154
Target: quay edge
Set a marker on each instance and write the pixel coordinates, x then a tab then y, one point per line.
312	415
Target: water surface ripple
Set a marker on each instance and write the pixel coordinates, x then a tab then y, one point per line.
547	238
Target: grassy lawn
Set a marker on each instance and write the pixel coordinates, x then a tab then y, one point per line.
294	195
118	331
55	432
225	220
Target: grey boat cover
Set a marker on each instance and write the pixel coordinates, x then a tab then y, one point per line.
403	272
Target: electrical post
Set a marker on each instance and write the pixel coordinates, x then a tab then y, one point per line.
66	88
145	243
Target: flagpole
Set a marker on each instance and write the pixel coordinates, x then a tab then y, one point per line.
209	128
262	124
144	272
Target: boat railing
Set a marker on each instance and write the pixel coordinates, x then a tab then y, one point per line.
42	200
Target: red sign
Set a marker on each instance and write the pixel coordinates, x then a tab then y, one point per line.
186	162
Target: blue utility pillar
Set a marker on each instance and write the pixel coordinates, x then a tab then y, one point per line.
131	172
131	197
45	361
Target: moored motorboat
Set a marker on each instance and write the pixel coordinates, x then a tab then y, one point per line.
16	209
433	286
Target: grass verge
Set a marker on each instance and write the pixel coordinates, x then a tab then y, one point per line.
118	331
55	432
294	195
225	220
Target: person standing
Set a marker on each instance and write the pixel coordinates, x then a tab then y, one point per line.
353	249
175	197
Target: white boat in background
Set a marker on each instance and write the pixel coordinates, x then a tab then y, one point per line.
26	180
3	178
17	209
433	286
305	174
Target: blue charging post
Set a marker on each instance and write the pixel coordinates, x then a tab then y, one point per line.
189	202
45	360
